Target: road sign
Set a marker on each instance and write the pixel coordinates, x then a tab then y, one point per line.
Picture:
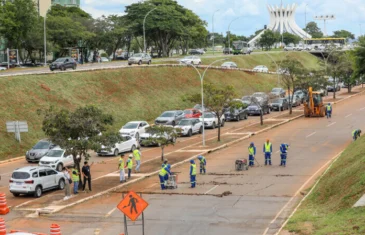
132	205
17	127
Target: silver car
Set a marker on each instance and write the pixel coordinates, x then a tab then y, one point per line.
170	117
39	150
140	58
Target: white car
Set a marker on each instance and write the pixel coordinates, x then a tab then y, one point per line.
134	129
289	48
191	60
190	126
2	68
128	144
229	65
147	136
211	120
261	68
35	180
56	159
104	59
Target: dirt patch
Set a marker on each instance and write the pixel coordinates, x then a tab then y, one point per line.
224	194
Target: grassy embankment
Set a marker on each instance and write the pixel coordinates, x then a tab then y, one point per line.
128	94
328	210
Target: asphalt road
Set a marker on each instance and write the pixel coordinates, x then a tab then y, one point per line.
260	198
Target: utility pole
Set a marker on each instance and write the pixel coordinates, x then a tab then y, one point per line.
144	30
229	41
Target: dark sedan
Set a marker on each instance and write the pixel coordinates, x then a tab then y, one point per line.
279	104
231	114
63	64
195	52
255	109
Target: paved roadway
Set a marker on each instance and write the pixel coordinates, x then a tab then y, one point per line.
260	199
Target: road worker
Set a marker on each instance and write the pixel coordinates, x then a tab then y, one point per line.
75	179
164	163
251	154
121	167
137	157
283	153
267	150
165	171
130	165
203	163
355	134
329	110
192	173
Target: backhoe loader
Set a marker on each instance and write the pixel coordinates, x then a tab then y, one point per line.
313	106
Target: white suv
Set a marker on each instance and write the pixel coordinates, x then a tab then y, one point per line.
190	126
211	120
127	144
134	129
35	180
261	68
56	159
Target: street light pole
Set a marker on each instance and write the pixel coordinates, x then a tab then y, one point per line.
144	30
213	30
45	41
229	41
201	77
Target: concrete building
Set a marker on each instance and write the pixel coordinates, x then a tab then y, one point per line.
282	19
43	6
67	3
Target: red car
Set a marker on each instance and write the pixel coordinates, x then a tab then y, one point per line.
192	113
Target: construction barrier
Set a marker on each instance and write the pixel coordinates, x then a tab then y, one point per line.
2	227
4	209
55	229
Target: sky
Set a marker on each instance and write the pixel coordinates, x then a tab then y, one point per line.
253	14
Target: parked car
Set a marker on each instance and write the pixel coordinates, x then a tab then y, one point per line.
295	102
195	52
247	50
34	180
124	56
192	113
128	144
148	135
170	117
227	51
333	87
63	64
134	129
189	126
104	59
199	107
229	65
301	94
261	68
278	92
2	68
56	159
288	48
280	104
247	100
191	60
140	58
211	120
231	114
255	109
39	150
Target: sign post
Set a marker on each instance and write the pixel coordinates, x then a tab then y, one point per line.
17	127
132	206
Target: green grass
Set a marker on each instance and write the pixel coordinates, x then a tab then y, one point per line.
328	209
128	94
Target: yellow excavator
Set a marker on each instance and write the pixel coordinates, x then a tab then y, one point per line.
313	106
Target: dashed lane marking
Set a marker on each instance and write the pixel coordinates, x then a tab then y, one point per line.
348	115
333	123
310	135
211	189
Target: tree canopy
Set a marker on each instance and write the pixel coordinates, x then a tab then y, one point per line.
313	29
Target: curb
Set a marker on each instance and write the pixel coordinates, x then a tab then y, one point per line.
12	160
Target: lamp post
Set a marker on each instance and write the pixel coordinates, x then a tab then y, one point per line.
201	77
144	30
213	29
229	42
45	39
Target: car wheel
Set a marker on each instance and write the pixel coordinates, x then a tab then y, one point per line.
133	148
140	62
61	184
282	109
201	130
192	62
129	64
222	123
74	67
268	111
190	133
213	125
200	62
38	191
173	123
246	116
116	152
51	70
16	194
59	167
173	140
149	62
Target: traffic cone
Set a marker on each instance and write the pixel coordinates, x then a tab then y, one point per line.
4	209
2	227
55	229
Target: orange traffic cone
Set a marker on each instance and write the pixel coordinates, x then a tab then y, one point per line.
55	229
2	227
4	209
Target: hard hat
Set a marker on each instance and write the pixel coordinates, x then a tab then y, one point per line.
200	157
329	103
252	143
267	140
130	156
192	161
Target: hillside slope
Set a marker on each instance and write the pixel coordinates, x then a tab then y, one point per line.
128	94
328	209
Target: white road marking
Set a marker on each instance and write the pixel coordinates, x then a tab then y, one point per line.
311	134
362	109
277	151
193	150
348	115
110	212
211	189
333	123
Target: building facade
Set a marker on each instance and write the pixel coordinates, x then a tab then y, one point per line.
67	3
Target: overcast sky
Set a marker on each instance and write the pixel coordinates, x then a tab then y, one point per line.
253	13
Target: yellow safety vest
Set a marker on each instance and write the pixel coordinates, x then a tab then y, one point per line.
202	160
267	147
130	164
136	154
193	172
163	172
251	151
121	163
353	133
328	107
75	177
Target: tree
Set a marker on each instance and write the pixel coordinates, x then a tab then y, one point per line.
359	58
343	34
313	29
268	39
78	132
289	38
215	99
346	73
162	136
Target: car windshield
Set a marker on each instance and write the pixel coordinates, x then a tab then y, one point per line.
42	145
167	114
188	111
184	122
60	60
20	175
208	115
276	90
130	125
138	55
55	153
